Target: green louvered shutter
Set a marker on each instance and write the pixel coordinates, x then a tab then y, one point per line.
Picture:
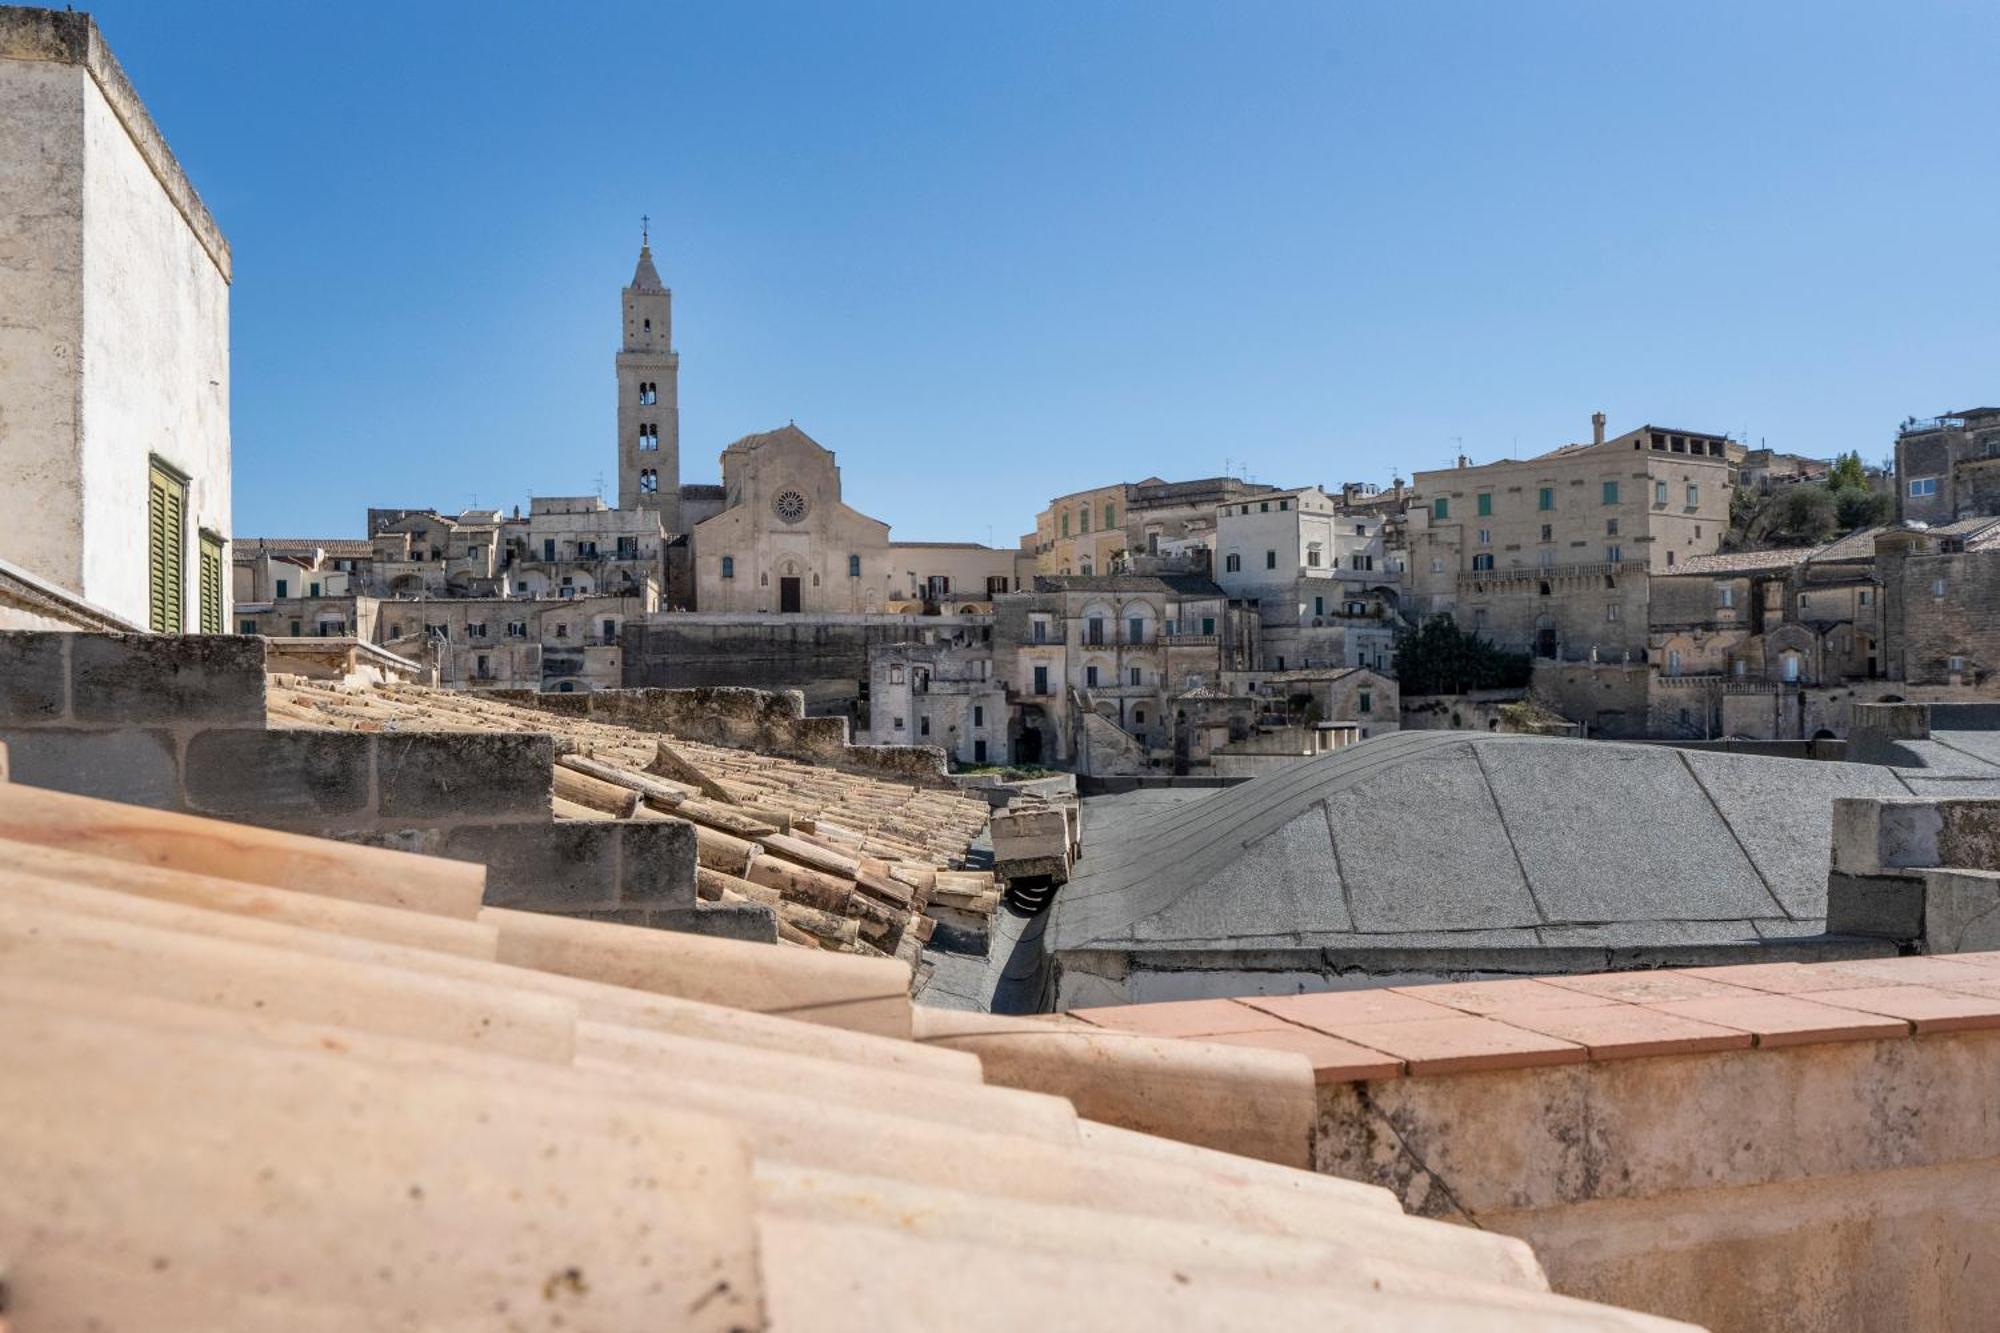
211	584
166	550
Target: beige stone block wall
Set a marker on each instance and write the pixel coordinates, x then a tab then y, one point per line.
1845	1185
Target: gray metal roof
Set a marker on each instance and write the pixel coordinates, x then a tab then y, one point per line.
1429	840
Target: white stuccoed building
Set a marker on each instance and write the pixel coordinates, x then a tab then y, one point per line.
114	343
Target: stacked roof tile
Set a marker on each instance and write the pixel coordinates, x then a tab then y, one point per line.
848	862
257	1080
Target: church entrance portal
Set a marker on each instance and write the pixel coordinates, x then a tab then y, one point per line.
788	595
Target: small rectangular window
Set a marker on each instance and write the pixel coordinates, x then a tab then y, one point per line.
1485	504
1659	492
1694	497
284	588
1270	559
1090	676
978	715
1611	492
1441	508
1547	499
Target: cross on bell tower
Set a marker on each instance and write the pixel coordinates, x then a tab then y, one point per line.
649	430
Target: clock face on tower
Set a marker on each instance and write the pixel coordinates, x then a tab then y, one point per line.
789	505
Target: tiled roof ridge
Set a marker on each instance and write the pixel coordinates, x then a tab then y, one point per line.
1463	1027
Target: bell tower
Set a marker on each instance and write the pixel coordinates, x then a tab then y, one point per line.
649	417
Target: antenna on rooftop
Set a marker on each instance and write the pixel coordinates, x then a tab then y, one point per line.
600	485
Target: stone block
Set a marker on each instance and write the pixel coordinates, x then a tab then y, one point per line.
1871	836
1884	906
1970	836
135	766
656	864
1028	834
543	867
751	922
1961	911
1894	722
467	775
301	779
34	678
137	679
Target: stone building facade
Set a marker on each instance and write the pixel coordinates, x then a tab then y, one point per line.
1948	467
940	690
1553	555
1318	574
1104	530
1110	663
114	341
1941	622
786	543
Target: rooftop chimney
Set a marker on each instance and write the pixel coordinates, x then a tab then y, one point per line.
1597	428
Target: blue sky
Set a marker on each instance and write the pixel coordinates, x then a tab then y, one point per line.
992	253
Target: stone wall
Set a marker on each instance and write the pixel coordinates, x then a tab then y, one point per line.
1609	700
768	721
1840	1185
179	724
825	657
1924	628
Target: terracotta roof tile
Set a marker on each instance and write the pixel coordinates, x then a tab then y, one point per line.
1616	1031
1502	997
1931	1010
1326	1009
1647	987
1781	1020
1180	1018
1333	1060
1462	1045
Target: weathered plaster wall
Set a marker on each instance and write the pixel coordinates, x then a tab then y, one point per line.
155	365
1841	1185
114	334
41	317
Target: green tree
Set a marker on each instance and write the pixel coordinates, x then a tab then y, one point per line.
1807	515
1437	657
1847	473
1858	507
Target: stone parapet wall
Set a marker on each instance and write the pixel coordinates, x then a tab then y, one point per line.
178	723
768	721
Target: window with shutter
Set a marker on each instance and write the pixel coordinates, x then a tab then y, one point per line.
166	550
211	583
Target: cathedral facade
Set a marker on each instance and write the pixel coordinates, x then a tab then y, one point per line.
782	541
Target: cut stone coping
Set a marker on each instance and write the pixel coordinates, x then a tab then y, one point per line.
1356	1036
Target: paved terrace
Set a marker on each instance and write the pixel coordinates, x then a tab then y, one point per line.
1417	855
